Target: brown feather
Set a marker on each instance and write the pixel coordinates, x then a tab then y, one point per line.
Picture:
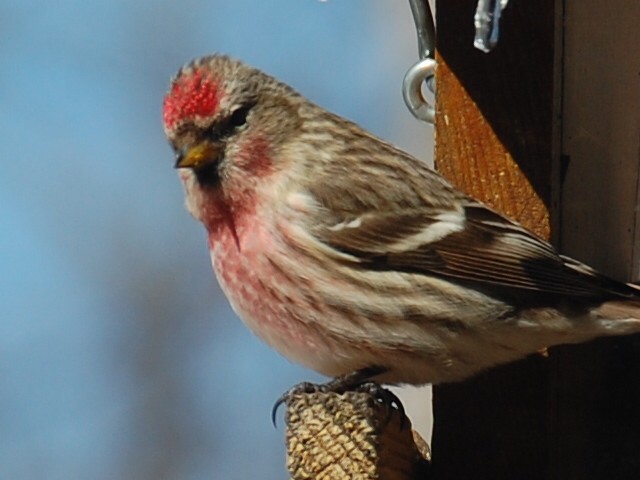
490	249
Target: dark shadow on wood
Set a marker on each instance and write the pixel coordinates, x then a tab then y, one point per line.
494	426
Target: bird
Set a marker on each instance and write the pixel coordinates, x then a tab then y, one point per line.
355	259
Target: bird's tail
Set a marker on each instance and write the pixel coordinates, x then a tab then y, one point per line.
621	316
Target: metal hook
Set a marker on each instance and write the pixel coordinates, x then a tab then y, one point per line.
424	70
412	90
425	28
487	23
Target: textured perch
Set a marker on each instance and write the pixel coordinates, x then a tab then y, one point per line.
351	435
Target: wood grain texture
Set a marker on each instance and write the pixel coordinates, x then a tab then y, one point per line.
472	157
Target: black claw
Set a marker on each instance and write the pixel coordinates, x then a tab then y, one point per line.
354	380
275	408
304	387
389	399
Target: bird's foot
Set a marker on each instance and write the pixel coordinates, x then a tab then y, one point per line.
359	381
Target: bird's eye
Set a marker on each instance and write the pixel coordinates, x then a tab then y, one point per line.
239	116
227	126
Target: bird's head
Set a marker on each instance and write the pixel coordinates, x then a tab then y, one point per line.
226	122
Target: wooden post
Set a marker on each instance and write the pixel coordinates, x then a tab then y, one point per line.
497	139
597	386
573	415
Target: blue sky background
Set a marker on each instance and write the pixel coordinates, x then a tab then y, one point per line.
119	357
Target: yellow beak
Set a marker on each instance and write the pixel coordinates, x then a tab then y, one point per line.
199	155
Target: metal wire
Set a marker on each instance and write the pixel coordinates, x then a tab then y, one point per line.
425	28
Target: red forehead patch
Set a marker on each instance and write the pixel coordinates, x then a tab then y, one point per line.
192	95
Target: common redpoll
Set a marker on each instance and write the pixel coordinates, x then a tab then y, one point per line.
346	254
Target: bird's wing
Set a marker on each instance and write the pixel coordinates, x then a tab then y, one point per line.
454	237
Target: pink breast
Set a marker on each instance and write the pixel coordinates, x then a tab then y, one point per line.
264	297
